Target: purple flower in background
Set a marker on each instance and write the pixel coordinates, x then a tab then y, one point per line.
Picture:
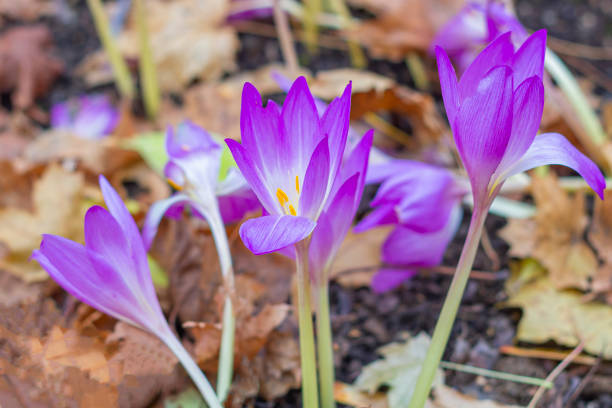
89	117
249	9
495	110
423	201
476	25
290	157
110	272
194	168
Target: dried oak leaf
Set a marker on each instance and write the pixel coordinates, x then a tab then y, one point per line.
555	235
402	26
58	208
27	70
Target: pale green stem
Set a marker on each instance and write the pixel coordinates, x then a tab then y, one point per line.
118	65
226	352
148	73
449	310
310	393
325	351
197	376
568	84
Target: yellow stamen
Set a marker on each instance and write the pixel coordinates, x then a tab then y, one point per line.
185	148
292	210
282	197
174	185
297	184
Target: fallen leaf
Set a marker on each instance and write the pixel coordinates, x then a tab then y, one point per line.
189	41
600	236
402	26
190	398
58	208
28	70
446	397
554	236
398	369
563	317
359	257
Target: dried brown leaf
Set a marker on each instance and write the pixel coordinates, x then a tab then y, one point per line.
58	208
554	236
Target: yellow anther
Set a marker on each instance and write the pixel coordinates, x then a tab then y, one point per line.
282	197
185	148
174	185
292	210
297	184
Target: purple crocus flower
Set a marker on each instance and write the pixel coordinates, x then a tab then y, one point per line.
290	157
111	273
89	117
423	201
495	112
194	169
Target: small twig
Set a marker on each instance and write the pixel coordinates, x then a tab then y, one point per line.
555	373
485	240
579	50
474	274
587	378
545	354
285	38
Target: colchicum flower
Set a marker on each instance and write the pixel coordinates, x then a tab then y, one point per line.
495	112
111	273
290	158
216	192
195	168
89	117
423	202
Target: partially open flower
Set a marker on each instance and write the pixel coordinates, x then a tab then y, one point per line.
495	110
209	187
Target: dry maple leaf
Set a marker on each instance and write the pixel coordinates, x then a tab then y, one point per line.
555	235
58	208
27	70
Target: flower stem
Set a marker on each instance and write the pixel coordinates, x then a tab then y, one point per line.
120	69
325	351
148	70
449	310
310	393
226	352
192	369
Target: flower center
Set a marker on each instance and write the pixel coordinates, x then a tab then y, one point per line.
284	201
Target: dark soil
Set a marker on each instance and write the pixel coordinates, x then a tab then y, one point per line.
362	320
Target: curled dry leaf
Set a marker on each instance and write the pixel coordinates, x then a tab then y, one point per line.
555	235
28	69
58	207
